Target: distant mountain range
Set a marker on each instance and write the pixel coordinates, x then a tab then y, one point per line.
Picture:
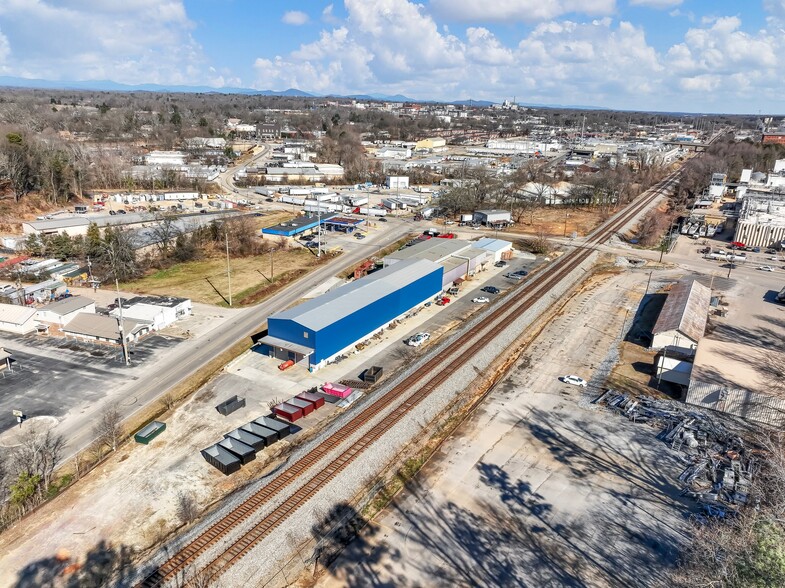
110	86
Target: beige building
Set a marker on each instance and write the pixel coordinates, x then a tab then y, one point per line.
683	318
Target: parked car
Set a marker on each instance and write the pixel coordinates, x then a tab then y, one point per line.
444	300
516	275
312	244
490	289
574	380
112	212
359	236
500	264
382	219
417	339
766	268
203	211
521	272
481	300
121	211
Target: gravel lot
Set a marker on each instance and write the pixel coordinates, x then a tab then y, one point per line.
534	490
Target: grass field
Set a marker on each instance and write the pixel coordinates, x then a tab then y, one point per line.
206	280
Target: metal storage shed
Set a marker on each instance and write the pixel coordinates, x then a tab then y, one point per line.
221	459
288	412
337	320
268	435
283	429
245	453
247	437
304	405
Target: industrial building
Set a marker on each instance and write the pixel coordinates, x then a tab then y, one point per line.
459	258
296	226
683	318
397	182
316	331
732	377
493	218
761	221
497	248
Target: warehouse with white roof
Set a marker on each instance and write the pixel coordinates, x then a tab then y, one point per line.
315	331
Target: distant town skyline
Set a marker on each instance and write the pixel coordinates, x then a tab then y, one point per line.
669	55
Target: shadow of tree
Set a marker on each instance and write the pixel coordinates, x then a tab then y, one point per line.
104	565
340	527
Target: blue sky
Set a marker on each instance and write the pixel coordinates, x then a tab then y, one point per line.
691	55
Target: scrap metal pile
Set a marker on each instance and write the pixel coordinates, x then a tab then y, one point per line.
720	465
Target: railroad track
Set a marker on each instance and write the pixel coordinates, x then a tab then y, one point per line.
423	381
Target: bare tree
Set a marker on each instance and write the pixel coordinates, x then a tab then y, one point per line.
187	509
109	429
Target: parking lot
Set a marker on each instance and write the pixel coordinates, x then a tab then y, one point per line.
55	377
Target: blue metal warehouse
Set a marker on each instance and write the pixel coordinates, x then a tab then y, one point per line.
322	328
297	225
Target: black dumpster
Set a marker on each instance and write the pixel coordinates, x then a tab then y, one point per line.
221	459
265	433
373	374
248	438
283	429
229	406
244	452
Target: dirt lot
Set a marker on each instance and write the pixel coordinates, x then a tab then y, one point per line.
538	487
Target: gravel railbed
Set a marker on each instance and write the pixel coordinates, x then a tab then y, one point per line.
264	561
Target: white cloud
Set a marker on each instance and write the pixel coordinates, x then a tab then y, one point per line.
519	10
656	3
295	18
328	16
131	41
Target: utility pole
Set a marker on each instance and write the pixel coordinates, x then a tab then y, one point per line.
120	326
228	269
566	216
272	275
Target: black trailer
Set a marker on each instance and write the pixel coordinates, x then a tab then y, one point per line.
268	435
248	438
244	452
283	429
221	459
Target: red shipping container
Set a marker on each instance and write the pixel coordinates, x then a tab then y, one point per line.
288	412
317	401
303	405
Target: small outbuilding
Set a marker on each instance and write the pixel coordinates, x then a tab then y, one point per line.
493	218
97	328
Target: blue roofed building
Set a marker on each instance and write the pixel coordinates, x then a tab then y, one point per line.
316	331
297	225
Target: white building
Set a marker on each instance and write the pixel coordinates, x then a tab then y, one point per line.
717	185
165	159
493	217
63	311
397	182
498	248
17	319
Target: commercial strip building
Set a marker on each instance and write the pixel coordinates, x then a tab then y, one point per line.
98	328
318	330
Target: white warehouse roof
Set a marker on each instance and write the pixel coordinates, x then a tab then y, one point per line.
337	304
16	315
